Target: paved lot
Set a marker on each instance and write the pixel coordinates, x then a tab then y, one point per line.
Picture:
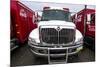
23	57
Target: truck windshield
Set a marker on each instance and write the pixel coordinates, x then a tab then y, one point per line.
56	15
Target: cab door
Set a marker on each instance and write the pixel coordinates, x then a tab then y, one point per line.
90	26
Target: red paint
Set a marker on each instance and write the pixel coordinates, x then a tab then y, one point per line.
82	23
22	21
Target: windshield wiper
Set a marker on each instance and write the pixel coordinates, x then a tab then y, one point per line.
44	19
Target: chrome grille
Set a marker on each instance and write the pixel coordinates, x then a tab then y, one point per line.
66	36
53	36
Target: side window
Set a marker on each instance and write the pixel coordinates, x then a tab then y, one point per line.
92	19
79	18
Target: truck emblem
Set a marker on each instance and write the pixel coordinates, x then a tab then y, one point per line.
58	28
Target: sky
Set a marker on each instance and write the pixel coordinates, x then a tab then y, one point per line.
38	6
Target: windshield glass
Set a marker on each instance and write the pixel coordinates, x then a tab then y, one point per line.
56	15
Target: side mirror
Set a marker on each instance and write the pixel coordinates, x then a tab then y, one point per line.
75	16
35	20
88	17
39	18
75	20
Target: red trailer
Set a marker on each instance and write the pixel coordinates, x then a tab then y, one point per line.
23	21
85	22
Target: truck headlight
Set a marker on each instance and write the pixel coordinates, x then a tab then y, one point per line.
32	41
80	41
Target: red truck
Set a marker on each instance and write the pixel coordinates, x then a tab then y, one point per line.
85	23
23	21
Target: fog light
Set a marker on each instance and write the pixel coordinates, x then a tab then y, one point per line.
43	51
79	48
71	50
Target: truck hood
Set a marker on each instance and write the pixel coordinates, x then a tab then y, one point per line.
35	35
56	22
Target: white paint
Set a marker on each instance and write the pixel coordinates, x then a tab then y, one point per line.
78	35
56	22
35	33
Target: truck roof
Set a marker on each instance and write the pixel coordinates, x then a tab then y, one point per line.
56	8
23	5
87	11
20	3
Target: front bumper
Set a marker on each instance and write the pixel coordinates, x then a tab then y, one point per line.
55	51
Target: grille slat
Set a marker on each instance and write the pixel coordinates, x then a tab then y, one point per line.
53	36
66	35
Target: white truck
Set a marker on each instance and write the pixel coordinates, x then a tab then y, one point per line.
56	35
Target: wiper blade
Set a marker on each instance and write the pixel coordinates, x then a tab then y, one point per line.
44	19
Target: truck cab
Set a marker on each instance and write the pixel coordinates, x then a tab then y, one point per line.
56	35
85	23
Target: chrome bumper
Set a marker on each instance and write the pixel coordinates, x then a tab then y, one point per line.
45	51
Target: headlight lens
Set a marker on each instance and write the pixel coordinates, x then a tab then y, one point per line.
32	41
80	41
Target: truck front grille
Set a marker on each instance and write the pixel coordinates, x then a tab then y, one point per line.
53	36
